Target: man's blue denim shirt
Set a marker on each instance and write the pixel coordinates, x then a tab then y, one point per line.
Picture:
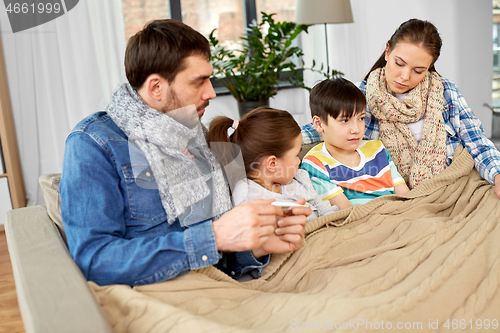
117	231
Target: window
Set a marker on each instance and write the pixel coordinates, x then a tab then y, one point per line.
496	54
137	13
225	15
228	16
284	9
496	46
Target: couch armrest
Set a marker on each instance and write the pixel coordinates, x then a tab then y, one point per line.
53	294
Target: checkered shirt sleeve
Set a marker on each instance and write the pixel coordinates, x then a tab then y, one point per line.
371	124
463	127
310	135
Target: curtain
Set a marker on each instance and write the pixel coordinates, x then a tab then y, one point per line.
59	73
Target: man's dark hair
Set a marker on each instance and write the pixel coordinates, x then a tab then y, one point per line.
161	48
336	97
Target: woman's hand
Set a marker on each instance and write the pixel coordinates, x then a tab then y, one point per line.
497	185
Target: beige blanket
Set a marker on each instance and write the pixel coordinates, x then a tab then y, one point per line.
428	261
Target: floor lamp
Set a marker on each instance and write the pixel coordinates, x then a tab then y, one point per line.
323	12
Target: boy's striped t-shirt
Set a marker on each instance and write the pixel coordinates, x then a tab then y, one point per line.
376	174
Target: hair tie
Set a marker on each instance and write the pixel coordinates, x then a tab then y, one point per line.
234	126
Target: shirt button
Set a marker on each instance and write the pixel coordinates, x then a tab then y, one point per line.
204	258
233	273
148	174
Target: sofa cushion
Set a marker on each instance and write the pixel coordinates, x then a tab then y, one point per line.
50	187
305	149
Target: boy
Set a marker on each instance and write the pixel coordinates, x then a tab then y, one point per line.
346	169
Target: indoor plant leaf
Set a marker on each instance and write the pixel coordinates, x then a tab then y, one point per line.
253	73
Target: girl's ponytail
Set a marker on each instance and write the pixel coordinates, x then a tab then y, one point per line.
262	132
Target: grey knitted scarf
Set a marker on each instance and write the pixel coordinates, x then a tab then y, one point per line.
188	176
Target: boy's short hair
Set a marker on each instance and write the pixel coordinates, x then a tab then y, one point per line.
161	48
336	97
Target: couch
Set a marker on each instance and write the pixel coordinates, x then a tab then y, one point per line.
52	293
430	256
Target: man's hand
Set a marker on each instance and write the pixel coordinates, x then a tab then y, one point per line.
247	226
290	232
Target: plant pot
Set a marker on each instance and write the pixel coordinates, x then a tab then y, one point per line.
245	107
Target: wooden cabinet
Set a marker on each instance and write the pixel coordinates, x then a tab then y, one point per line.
14	184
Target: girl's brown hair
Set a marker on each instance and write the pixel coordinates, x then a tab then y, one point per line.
261	132
418	32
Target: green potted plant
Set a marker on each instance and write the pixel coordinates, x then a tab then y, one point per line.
252	74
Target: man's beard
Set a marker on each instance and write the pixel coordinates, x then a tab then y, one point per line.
185	115
173	103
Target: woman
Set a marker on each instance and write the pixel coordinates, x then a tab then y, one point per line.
419	116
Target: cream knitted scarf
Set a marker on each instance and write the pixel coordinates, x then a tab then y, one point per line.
416	161
186	172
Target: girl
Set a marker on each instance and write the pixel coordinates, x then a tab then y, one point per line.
270	141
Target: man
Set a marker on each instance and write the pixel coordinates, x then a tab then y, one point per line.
139	220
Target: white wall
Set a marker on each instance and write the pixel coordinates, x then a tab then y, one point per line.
465	27
293	100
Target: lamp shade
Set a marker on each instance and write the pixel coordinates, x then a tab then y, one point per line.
323	11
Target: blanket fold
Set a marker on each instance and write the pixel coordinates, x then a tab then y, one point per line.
418	260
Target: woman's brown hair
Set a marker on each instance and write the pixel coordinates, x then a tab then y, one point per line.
418	32
261	132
